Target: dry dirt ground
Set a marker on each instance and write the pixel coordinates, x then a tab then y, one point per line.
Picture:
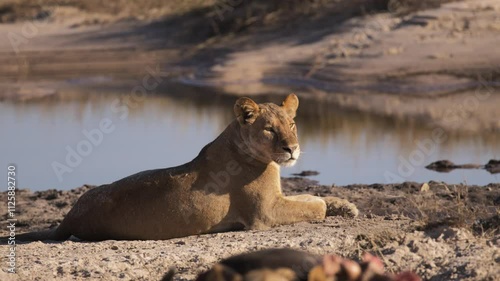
436	63
442	232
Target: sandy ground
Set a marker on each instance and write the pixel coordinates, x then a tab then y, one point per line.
441	232
438	67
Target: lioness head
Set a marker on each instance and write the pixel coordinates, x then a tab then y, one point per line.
268	130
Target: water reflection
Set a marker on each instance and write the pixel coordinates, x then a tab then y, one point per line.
162	131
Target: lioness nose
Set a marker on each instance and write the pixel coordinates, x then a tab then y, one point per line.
290	148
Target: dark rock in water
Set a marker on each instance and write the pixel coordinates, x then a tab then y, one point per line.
444	166
306	173
493	166
493	162
447	166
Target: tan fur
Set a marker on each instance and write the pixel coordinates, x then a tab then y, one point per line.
234	183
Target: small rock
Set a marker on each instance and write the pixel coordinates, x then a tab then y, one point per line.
394	50
85	273
494	26
61	204
48	195
441	166
424	187
437	56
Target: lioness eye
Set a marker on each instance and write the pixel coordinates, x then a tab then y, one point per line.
269	129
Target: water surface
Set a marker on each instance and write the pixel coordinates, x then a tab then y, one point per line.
164	131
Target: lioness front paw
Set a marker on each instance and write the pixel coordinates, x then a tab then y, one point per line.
340	207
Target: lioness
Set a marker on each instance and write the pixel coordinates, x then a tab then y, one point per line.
233	184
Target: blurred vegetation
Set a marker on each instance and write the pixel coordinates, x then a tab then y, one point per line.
230	14
19	10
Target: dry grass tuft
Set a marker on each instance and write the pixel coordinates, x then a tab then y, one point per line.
459	213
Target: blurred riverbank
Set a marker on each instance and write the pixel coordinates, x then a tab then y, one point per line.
436	65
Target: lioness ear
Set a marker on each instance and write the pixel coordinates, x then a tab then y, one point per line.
246	110
290	104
